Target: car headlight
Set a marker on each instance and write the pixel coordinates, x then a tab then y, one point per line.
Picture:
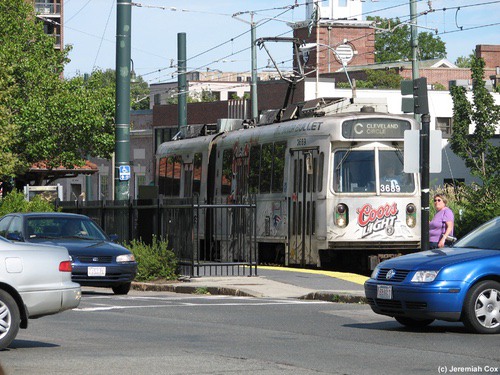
424	276
375	273
125	258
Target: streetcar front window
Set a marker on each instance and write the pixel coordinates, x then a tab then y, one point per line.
392	177
354	171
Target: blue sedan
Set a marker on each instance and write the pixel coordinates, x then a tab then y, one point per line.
460	283
96	260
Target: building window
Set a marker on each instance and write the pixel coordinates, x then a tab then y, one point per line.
445	125
140	180
157	99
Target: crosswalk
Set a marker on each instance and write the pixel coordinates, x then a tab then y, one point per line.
95	303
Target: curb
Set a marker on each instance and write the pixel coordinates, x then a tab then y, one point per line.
187	289
213	290
335	297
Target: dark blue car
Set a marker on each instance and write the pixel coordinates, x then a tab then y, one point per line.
97	261
461	283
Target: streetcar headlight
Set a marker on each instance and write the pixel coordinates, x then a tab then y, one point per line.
341	215
411	215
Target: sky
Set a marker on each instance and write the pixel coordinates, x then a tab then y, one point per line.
218	41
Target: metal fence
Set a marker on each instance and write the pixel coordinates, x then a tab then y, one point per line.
208	239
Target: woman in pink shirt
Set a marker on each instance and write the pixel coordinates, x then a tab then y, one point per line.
441	225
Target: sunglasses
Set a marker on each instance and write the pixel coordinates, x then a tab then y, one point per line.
437	200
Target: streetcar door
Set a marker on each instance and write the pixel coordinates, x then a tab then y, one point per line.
302	207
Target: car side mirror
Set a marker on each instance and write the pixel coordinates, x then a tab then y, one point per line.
15	236
113	237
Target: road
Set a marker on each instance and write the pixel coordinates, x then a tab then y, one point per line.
166	333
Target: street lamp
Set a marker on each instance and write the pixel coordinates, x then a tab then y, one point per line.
309	46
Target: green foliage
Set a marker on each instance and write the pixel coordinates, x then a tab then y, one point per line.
201	290
377	79
155	261
439	86
43	117
465	61
394	44
139	89
15	202
481	201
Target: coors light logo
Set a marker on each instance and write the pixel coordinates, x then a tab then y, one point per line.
373	220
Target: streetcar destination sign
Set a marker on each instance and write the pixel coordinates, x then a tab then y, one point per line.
375	128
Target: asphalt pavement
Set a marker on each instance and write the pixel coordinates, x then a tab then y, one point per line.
272	282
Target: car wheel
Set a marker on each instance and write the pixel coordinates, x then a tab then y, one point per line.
481	311
122	288
413	323
9	319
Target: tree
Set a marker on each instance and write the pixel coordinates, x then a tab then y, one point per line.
139	89
394	44
480	154
465	62
43	117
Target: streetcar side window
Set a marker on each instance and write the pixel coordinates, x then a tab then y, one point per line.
188	180
227	171
266	165
162	176
197	173
392	177
253	176
176	175
320	171
278	166
354	171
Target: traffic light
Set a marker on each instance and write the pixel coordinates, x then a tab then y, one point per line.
419	103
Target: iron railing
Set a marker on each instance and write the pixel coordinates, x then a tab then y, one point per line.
208	239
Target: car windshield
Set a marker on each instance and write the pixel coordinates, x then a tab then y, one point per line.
63	227
487	236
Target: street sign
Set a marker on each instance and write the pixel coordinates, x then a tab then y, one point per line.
124	172
412	151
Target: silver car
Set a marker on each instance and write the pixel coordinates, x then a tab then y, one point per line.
35	280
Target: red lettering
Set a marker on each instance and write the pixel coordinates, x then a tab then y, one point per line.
367	214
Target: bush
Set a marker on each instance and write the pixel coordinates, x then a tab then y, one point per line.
15	202
471	205
154	261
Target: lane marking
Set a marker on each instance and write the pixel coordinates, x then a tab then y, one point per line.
102	307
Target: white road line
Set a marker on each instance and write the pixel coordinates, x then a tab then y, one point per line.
191	304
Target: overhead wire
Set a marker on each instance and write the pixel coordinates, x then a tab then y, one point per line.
104	32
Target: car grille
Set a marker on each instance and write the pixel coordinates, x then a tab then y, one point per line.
393	305
94	259
398	277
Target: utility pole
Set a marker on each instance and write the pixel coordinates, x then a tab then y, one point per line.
122	126
424	134
253	82
181	81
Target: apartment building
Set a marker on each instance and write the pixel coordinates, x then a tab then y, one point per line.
51	12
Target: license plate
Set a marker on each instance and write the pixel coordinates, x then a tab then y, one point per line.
96	271
384	291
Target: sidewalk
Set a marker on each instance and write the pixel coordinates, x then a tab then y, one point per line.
273	282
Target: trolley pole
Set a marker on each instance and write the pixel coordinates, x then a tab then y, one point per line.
122	126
